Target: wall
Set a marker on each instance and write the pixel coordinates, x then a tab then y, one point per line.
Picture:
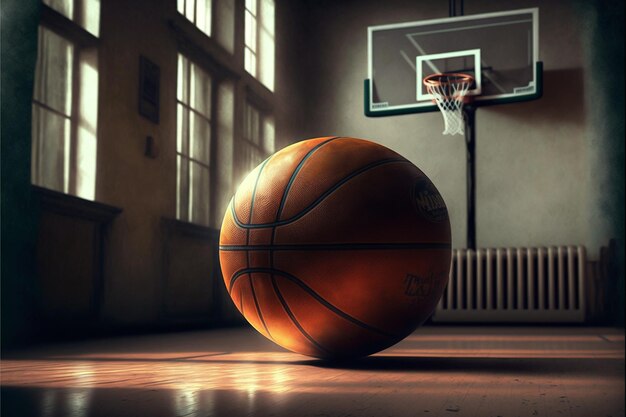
143	187
534	179
153	271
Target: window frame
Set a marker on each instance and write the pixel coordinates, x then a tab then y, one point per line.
211	166
211	21
80	39
259	53
255	52
223	66
263	112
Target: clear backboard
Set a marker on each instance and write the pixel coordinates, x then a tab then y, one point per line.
499	50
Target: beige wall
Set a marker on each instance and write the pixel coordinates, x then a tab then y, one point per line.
533	165
143	187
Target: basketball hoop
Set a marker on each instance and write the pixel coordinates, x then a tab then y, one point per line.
449	91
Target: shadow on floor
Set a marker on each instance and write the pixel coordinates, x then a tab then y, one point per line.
464	364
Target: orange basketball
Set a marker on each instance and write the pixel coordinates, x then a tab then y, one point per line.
336	247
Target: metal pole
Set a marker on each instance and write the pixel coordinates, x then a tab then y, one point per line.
470	143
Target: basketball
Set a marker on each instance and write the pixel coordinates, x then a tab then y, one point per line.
336	247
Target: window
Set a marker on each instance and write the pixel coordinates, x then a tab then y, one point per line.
52	111
64	112
225	116
197	12
85	13
258	138
259	40
214	18
212	153
193	142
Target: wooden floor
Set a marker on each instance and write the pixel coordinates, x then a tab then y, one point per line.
437	371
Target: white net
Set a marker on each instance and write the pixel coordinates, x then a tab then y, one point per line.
449	92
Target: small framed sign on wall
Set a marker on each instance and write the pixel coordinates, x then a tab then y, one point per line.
149	79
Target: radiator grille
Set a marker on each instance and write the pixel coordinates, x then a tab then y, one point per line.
515	284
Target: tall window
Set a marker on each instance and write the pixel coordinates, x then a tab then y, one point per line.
52	111
193	142
259	42
258	138
65	98
197	12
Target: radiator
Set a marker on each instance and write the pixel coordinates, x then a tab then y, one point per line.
515	285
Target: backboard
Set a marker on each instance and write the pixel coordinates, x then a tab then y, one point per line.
500	50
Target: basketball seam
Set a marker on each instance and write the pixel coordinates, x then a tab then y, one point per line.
315	295
318	200
256	181
258	308
294	320
252	198
272	272
295	172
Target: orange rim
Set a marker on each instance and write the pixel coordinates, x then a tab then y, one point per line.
452	77
436	80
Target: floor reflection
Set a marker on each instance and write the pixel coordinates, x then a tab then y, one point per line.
428	371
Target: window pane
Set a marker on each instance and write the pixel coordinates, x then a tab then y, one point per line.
266	64
247	61
65	7
200	91
249	126
247	29
251	5
246	121
182	188
268	135
224	157
250	61
182	129
199	193
250	31
247	158
180	6
203	16
53	79
267	44
181	86
254	65
51	138
200	138
224	30
189	10
90	18
267	16
253	158
87	120
255	136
